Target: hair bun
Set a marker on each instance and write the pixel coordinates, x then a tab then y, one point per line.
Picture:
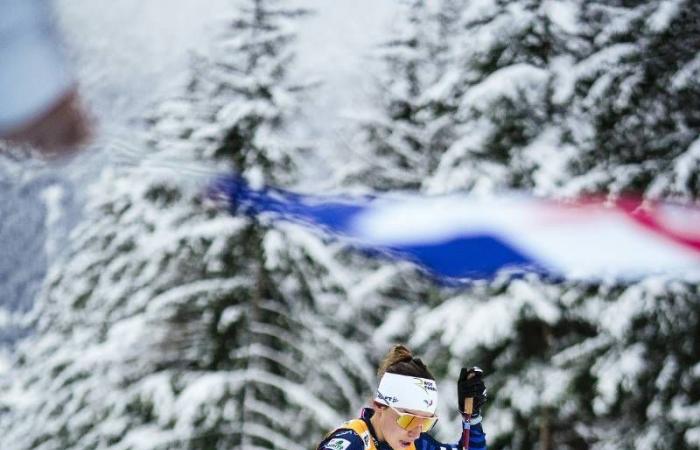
400	360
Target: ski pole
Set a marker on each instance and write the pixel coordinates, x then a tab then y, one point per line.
466	418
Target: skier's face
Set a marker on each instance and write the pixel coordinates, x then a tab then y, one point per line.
397	437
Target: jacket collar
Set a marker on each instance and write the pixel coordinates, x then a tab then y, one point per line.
366	414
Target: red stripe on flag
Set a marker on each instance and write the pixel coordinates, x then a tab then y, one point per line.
679	223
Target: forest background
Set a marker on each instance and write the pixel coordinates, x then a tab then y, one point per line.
166	323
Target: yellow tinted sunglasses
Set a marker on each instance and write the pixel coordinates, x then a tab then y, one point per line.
409	421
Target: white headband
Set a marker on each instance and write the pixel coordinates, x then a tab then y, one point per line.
406	392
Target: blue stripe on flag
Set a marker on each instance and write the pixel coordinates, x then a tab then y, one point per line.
473	256
334	215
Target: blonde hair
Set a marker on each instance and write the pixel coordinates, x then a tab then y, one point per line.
400	360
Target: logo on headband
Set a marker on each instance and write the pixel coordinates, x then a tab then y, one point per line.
426	385
428	403
387	398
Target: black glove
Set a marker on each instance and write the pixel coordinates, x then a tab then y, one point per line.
471	384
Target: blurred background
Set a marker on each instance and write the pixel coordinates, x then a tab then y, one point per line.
135	315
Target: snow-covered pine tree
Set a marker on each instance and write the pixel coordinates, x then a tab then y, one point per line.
174	325
570	366
635	96
588	366
634	119
402	138
500	79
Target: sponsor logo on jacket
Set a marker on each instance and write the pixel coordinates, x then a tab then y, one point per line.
337	444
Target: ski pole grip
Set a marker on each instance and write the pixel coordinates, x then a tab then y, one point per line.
468	406
469	401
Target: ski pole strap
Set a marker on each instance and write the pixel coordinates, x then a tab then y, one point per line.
475	419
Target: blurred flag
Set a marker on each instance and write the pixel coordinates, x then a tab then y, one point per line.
462	237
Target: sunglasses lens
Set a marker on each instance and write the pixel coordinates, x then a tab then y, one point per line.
409	422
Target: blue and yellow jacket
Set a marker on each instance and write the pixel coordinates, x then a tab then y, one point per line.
358	434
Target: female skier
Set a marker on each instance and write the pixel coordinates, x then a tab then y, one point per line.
404	409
